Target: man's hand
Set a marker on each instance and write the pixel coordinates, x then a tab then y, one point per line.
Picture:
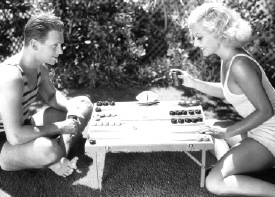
80	119
69	126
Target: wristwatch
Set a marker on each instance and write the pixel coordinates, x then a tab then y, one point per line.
72	117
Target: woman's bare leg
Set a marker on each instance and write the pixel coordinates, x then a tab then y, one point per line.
228	176
221	146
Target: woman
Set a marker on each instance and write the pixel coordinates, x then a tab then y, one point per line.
248	145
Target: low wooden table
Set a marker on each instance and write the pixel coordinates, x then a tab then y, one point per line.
129	127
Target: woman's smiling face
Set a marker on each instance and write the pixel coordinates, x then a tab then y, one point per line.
207	42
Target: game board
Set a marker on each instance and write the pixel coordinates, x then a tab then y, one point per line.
183	113
145	127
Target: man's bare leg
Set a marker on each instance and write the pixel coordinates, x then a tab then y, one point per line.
46	152
39	153
83	106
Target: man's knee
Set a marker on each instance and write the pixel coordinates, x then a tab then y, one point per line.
83	106
82	103
87	103
83	99
48	150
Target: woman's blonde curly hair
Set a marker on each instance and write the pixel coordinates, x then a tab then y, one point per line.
224	22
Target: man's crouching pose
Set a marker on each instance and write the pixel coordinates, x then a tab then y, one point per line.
44	139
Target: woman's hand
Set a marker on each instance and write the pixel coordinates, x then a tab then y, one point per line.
215	131
187	79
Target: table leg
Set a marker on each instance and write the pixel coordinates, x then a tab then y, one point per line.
203	161
96	169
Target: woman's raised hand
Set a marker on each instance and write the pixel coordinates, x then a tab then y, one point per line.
187	79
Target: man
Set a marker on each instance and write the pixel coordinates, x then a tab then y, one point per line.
44	139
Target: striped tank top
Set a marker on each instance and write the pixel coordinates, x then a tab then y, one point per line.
29	96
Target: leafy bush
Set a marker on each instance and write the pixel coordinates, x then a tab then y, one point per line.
13	17
131	42
261	17
108	43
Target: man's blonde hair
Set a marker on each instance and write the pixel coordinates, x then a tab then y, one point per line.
40	25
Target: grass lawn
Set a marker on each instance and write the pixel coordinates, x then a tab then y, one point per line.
125	174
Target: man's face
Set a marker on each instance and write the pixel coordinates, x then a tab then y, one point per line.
207	42
51	48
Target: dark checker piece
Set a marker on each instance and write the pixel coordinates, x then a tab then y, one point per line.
92	141
99	103
191	112
98	109
188	120
105	103
172	113
184	112
181	120
197	111
174	120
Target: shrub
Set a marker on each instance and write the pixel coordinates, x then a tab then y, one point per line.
129	42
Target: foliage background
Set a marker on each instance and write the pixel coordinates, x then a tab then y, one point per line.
113	43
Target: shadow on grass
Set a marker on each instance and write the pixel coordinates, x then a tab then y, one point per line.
44	182
153	174
125	174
